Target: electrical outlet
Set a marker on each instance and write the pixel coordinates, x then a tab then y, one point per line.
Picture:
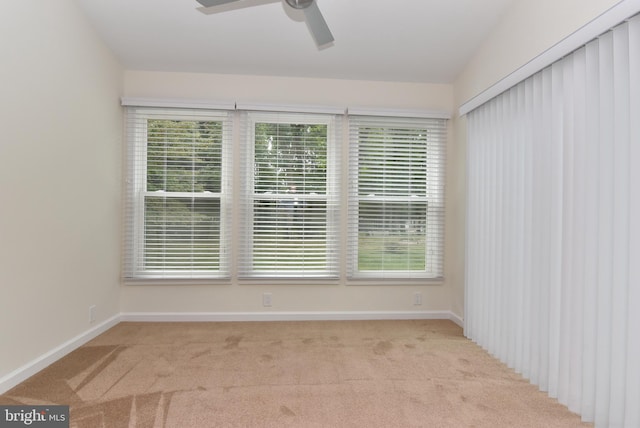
417	299
266	299
92	314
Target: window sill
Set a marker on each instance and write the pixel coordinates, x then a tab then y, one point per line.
176	281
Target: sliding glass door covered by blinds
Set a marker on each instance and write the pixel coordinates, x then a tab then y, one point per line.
553	228
396	197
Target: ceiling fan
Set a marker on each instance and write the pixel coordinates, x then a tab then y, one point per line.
313	17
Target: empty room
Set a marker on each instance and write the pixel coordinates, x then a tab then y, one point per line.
307	213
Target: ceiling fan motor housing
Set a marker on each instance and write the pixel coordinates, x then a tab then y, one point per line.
299	4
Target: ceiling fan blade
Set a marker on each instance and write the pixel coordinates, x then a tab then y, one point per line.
211	3
317	25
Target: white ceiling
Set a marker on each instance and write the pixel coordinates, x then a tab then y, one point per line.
404	41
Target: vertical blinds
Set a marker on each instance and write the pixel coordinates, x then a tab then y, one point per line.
289	203
396	197
176	220
553	228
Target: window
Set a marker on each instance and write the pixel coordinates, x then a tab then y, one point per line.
177	194
264	200
396	215
290	198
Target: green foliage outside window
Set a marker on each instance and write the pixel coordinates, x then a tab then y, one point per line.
184	156
290	230
183	233
290	155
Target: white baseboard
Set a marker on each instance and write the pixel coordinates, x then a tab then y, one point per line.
23	373
286	316
456	319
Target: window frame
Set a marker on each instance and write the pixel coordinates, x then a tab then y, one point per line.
434	148
236	193
138	194
245	270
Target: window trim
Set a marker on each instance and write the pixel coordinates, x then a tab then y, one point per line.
244	270
136	193
433	238
232	201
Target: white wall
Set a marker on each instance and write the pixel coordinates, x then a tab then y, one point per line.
288	90
527	30
293	297
60	156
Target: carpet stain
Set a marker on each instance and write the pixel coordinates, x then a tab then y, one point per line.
232	342
464	361
410	346
421	338
307	341
334	338
415	400
286	411
200	354
467	374
276	343
484	408
382	348
265	358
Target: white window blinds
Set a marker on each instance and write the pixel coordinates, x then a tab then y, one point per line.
176	221
289	200
268	206
396	197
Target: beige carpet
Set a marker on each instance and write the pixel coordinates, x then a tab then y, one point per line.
289	374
